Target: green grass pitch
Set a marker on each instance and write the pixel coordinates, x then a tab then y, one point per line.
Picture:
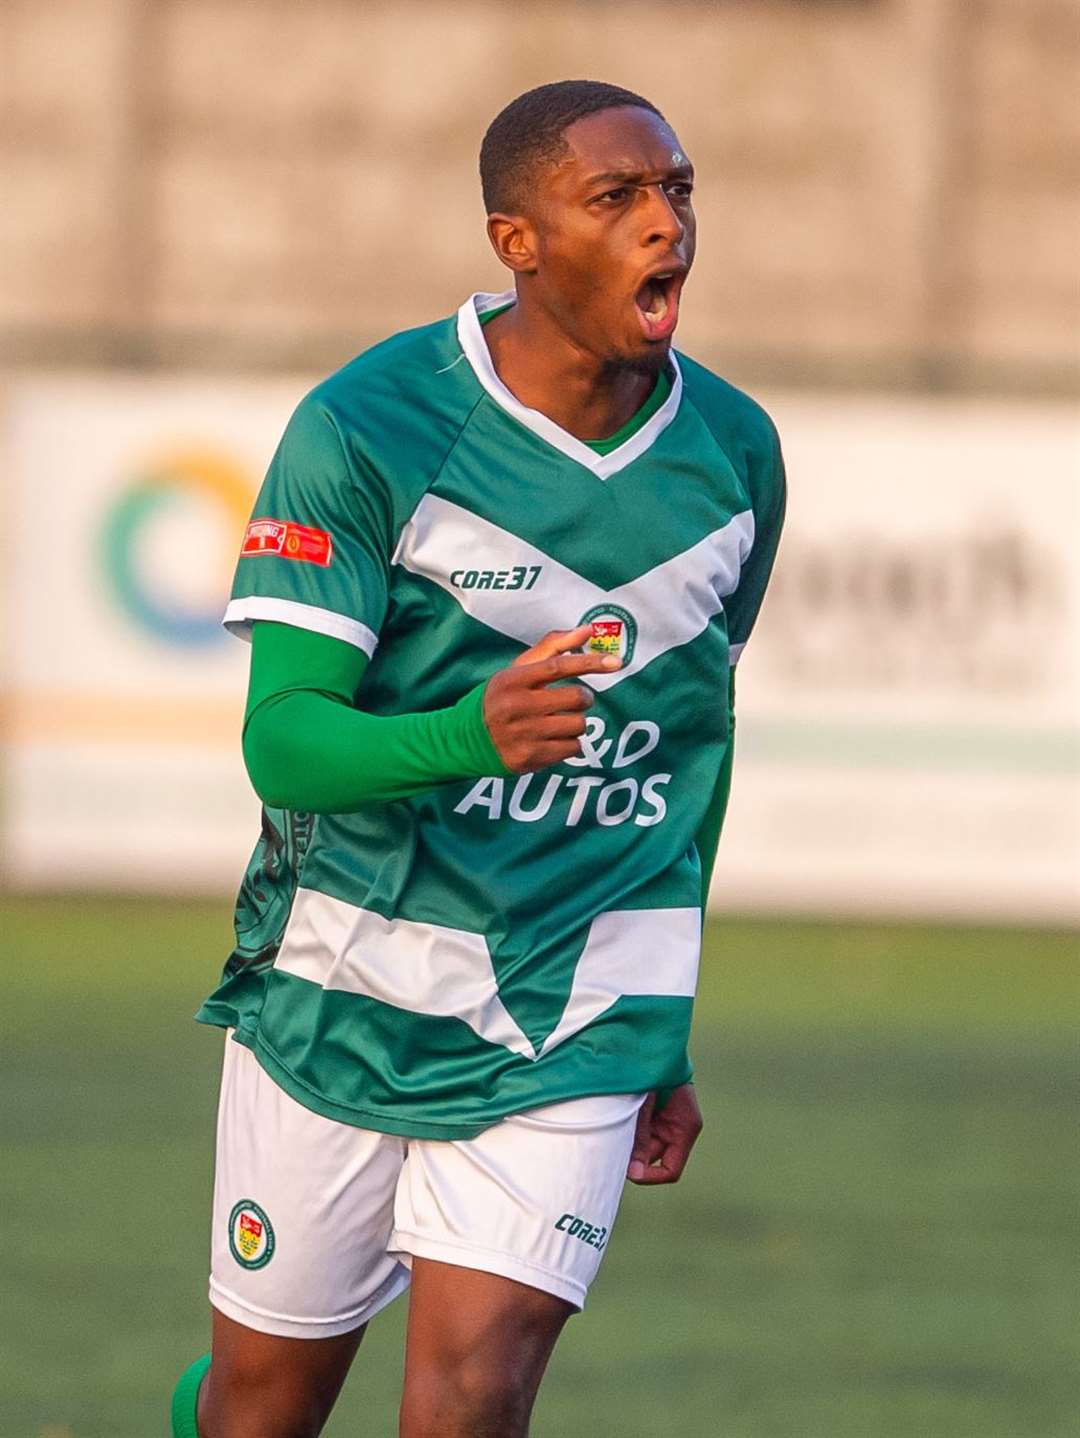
874	1239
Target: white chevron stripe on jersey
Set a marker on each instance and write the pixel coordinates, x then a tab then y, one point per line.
671	603
424	968
447	973
631	951
441	538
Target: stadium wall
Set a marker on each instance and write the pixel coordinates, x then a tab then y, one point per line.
887	187
909	707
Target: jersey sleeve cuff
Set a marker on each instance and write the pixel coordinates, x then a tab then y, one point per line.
242	613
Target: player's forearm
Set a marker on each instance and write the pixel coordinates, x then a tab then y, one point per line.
707	838
308	748
310	751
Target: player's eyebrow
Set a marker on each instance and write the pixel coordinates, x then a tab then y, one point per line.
635	177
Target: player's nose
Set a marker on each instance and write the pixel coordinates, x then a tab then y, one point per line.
662	221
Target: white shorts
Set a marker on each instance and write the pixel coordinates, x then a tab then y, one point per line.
316	1223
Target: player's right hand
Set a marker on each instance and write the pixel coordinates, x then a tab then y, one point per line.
532	725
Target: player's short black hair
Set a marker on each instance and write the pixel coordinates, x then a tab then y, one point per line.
529	131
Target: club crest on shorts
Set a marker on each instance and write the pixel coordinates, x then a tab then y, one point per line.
614	631
251	1235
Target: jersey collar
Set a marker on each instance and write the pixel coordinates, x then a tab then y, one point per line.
474	347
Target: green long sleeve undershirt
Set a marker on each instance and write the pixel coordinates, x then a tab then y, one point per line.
308	748
707	838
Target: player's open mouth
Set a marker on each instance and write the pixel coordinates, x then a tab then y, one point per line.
658	303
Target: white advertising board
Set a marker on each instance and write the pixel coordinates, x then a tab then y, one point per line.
908	735
909	705
127	499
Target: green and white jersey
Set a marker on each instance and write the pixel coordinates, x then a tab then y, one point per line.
428	966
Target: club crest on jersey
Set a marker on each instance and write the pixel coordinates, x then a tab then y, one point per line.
614	631
251	1235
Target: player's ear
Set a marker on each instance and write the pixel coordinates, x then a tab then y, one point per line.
514	241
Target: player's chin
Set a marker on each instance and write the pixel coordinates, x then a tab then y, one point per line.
646	356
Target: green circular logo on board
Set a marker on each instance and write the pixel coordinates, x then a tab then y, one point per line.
614	631
251	1235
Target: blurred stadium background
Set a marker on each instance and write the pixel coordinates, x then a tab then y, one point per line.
210	203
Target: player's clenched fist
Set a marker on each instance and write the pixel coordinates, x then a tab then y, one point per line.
531	724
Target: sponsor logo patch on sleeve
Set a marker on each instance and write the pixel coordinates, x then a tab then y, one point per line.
289	540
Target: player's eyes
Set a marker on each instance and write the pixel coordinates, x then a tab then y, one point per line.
678	190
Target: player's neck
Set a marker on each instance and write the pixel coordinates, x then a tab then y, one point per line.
544	369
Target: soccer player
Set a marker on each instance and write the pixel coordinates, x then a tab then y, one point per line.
496	579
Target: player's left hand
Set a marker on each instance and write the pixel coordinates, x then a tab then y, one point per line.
663	1140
